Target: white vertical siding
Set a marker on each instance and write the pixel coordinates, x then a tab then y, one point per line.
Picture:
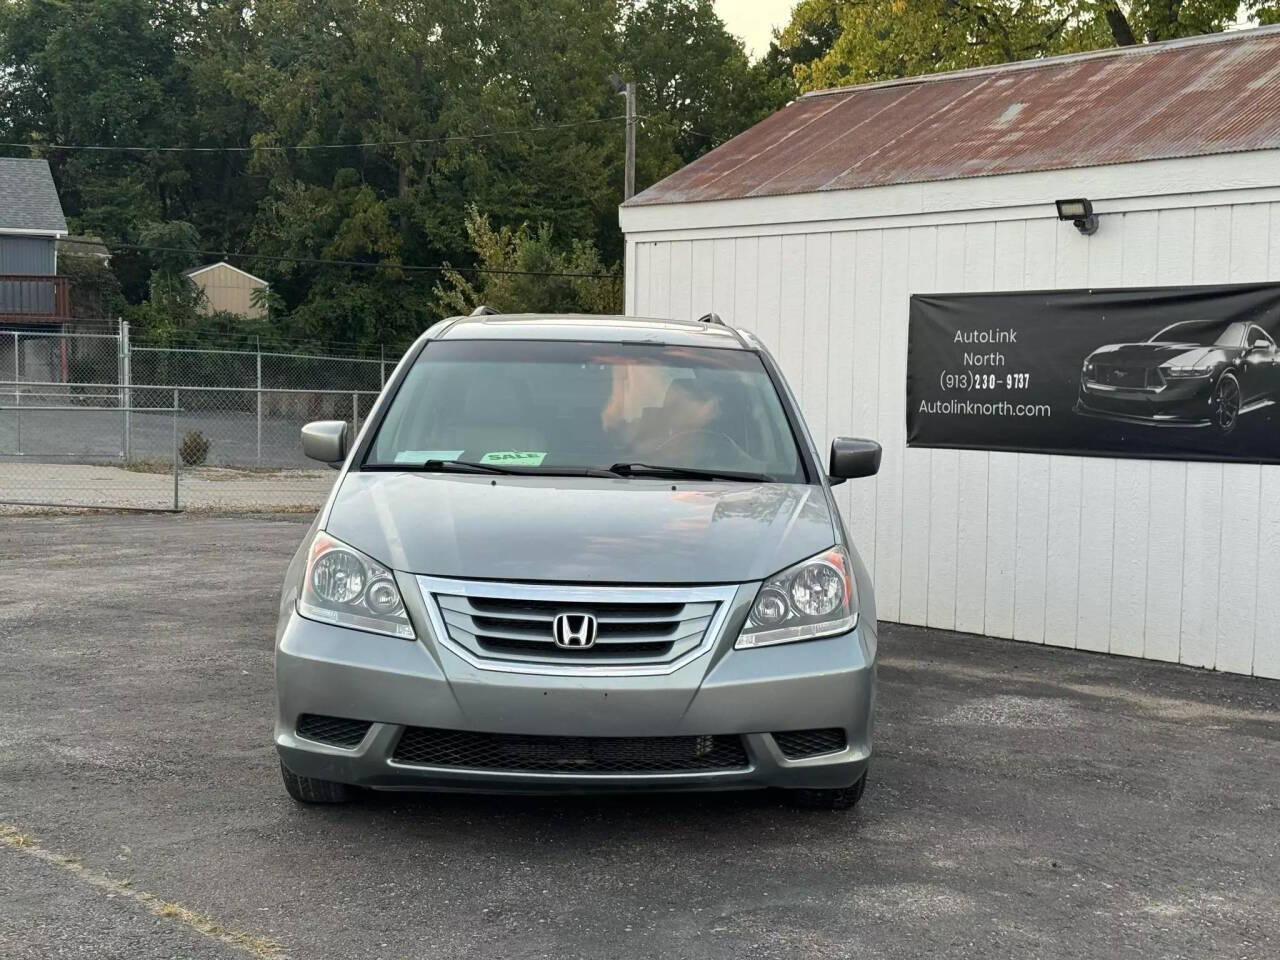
1167	560
1266	628
790	331
944	474
1031	581
1105	259
814	398
1066	482
840	355
890	424
1008	270
723	287
917	463
869	254
746	263
1266	632
1132	502
660	280
1166	532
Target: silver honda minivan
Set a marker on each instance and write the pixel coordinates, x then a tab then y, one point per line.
579	553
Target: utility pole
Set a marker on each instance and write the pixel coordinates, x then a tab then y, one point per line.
629	181
628	90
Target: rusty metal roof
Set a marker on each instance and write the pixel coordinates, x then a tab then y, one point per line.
1205	95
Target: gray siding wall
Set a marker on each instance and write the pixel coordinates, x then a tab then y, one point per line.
31	256
26	256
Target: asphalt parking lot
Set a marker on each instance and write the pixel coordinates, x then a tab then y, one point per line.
1025	802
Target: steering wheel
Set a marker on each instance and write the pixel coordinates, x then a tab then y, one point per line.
713	439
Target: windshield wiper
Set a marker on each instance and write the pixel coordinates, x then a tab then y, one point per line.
471	466
458	466
685	473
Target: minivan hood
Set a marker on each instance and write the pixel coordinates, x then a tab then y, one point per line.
580	529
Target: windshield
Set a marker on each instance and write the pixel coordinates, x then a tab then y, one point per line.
543	405
1205	333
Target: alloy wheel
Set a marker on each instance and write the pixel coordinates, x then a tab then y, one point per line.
1226	403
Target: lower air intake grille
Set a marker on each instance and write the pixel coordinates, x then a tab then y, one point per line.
421	746
809	743
337	731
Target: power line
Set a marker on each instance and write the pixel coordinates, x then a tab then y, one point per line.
715	140
315	261
316	146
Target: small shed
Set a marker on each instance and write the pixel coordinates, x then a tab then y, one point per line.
230	289
843	227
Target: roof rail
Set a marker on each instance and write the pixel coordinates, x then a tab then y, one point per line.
711	318
484	311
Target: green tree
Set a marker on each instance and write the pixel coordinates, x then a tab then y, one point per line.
434	105
524	271
432	78
173	302
695	85
137	74
838	42
95	289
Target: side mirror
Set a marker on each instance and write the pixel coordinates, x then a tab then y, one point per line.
851	458
326	441
1260	344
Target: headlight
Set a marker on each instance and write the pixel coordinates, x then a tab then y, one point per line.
816	598
344	587
1087	369
1203	370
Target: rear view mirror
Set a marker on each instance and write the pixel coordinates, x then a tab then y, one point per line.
852	458
326	441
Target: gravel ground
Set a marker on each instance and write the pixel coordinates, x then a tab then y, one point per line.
1025	801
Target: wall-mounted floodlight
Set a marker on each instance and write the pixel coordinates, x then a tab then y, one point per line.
1080	212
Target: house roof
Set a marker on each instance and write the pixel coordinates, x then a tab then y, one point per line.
1204	95
194	271
28	198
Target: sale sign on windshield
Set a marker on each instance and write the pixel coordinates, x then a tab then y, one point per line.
1187	373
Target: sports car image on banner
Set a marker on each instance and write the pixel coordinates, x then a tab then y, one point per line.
1164	372
1197	373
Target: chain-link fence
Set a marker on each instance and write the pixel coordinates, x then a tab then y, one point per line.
88	418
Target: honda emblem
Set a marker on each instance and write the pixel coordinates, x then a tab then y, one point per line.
574	631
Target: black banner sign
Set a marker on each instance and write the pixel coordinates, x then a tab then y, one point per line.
1189	373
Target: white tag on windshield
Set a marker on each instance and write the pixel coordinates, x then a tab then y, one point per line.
422	456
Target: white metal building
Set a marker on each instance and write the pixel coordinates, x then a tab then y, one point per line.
813	229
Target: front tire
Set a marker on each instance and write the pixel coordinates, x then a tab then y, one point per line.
840	798
1226	403
311	790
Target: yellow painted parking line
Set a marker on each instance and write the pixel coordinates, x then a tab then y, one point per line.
259	947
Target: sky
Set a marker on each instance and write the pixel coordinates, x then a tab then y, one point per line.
754	20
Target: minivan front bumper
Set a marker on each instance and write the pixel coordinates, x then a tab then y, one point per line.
396	685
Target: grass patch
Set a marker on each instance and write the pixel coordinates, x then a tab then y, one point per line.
149	466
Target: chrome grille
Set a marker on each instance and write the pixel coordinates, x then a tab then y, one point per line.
509	625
